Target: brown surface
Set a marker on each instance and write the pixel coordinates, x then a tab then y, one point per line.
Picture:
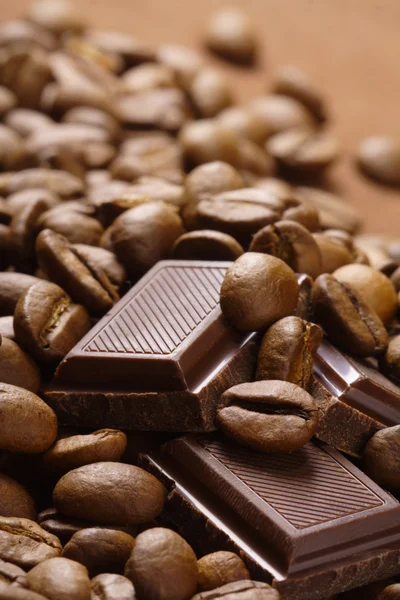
350	48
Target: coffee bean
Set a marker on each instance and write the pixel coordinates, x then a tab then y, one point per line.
348	320
12	149
10	592
26	72
334	213
257	291
210	92
157	108
390	360
381	457
46	323
25	121
12	574
333	252
57	99
5	246
149	76
109	492
76	227
144	235
304	150
19	201
5	212
287	351
27	423
162	566
83	279
16	367
100	550
23	234
60	182
254	160
208	140
243	122
375	288
24	34
292	243
206	245
230	34
104	260
24	543
392	592
61	579
8	100
108	586
303	306
104	445
15	501
210	179
93	117
220	568
240	590
7	328
379	157
278	113
269	416
291	81
131	50
184	62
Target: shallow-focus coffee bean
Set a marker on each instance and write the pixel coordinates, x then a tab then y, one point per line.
148	76
77	228
15	501
11	149
5	212
304	150
395	279
11	592
25	121
60	579
85	115
5	246
7	100
26	72
230	34
57	17
334	253
157	156
391	592
278	113
23	233
390	360
333	212
64	136
7	327
109	492
303	306
240	590
12	286
381	457
108	586
301	211
210	92
28	425
291	81
163	108
257	291
60	182
292	243
21	200
373	287
254	160
349	321
244	122
162	566
10	573
210	179
269	416
206	245
83	278
208	140
144	235
100	550
24	543
57	99
184	62
287	351
105	260
220	568
47	324
75	451
17	367
379	157
21	32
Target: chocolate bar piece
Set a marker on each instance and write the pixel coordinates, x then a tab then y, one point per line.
310	522
355	400
160	359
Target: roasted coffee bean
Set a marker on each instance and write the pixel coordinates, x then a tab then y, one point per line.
109	492
392	592
157	160
23	234
46	323
208	140
16	367
269	416
333	252
19	201
57	17
10	592
76	227
7	327
12	286
5	246
278	113
8	100
254	160
390	360
303	306
206	245
240	590
287	351
131	50
333	212
100	550
12	574
5	212
220	568
301	211
82	278
210	179
210	92
25	71
108	586
104	260
15	501
11	149
60	182
230	34
26	121
244	122
163	108
304	150
374	287
379	157
292	243
24	543
61	579
93	117
162	566
348	320
148	76
381	457
257	291
28	425
184	62
57	99
64	136
291	81
144	235
104	445
24	34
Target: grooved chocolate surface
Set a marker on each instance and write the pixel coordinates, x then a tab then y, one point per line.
306	487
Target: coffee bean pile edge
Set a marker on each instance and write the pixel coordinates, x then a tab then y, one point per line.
170	263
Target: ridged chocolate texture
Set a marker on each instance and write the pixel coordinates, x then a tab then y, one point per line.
358	383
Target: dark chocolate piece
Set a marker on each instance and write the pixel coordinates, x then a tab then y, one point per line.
160	359
310	521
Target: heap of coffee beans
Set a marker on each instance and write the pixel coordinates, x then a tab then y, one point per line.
115	155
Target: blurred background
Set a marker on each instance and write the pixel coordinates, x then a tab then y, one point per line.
349	48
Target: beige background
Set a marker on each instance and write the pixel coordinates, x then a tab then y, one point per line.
351	48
